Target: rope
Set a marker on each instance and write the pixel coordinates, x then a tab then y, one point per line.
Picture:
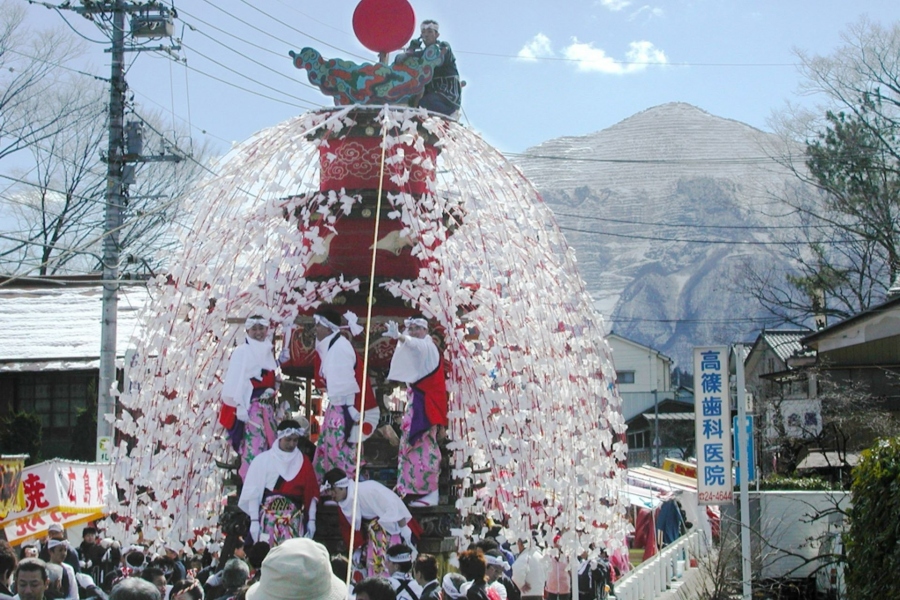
362	396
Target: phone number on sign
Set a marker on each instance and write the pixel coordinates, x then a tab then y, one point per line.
720	496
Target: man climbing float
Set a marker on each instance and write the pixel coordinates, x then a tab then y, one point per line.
417	363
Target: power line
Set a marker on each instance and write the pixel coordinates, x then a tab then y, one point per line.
57	65
254	61
651	161
313	38
682	225
657	238
229	34
249	91
271	35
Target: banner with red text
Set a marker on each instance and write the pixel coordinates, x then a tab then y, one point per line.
57	491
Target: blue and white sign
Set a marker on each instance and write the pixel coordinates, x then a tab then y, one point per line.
747	436
712	410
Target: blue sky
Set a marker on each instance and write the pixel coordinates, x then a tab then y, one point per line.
533	70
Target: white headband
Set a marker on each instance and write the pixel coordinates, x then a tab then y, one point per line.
290	431
251	321
496	561
352	323
340	483
431	25
320	320
400	558
417	322
450	588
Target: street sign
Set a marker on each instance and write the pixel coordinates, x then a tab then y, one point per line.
748	434
104	446
713	407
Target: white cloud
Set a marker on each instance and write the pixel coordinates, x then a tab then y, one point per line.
538	47
647	12
615	5
639	56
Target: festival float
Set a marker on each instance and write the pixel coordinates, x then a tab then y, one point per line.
387	210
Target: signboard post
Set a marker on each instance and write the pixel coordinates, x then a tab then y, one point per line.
712	412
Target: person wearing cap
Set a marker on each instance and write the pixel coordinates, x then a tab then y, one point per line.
249	394
281	492
55	531
339	371
298	569
382	519
425	571
398	561
417	363
58	551
443	93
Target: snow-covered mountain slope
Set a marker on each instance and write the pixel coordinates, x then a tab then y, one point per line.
663	209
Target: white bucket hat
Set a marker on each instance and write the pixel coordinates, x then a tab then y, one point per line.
297	569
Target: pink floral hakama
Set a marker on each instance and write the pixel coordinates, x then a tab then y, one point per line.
332	449
371	559
419	464
259	433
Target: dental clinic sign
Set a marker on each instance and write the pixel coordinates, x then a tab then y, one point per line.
712	410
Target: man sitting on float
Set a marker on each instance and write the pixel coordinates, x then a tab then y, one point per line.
443	93
281	492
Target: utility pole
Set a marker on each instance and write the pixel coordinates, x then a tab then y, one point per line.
744	471
152	21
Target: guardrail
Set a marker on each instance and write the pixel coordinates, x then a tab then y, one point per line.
653	577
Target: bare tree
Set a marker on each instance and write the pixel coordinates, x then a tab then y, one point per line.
155	214
845	249
59	204
29	68
846	417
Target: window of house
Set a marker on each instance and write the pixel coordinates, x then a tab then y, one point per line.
625	376
638	439
811	419
794	420
55	397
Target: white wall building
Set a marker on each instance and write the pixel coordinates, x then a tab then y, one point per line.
643	374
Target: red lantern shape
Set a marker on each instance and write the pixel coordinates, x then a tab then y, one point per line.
384	25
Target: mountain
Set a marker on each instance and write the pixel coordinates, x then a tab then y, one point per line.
664	210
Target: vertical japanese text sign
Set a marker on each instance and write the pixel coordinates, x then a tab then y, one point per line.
712	422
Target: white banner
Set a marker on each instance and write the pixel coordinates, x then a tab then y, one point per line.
57	491
712	421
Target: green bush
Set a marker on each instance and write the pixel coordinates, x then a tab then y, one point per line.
782	482
873	541
20	433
